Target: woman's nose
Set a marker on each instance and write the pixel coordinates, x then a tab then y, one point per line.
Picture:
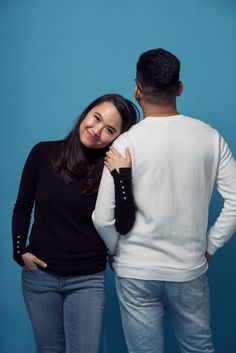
97	130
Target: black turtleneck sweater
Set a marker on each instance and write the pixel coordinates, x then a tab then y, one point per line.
62	232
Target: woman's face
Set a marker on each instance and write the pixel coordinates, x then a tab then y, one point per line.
101	126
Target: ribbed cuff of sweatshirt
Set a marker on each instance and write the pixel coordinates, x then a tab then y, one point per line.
211	249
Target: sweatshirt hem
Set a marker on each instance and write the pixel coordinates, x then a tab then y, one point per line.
159	273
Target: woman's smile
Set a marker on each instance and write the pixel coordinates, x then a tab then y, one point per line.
92	136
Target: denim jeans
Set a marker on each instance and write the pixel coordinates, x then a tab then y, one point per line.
144	303
66	312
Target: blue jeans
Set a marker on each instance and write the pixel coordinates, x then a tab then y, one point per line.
66	312
144	303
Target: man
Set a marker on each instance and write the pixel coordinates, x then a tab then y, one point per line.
161	264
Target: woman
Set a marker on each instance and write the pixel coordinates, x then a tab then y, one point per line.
64	262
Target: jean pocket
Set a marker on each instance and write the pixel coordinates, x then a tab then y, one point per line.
30	279
192	294
133	291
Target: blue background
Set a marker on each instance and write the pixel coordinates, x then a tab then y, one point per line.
56	56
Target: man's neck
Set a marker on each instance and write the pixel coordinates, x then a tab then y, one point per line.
159	111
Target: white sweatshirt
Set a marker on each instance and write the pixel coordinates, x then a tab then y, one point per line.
176	161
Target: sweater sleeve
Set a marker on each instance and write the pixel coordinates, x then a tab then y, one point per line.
124	200
24	204
104	213
225	224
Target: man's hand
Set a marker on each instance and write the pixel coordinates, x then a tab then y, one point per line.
32	262
207	256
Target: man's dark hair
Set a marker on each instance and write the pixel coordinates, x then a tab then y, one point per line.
158	75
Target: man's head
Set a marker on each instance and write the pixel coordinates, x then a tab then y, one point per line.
157	77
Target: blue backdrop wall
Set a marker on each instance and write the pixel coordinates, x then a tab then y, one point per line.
56	56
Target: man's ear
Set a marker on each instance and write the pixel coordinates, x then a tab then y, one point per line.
180	88
137	93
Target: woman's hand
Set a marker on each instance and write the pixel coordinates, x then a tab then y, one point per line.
114	160
32	262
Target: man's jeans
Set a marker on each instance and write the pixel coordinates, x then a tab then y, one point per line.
66	312
143	304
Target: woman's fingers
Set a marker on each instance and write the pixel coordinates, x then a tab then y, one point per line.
114	160
32	262
39	262
114	151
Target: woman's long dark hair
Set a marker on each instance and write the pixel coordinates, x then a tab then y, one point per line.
73	161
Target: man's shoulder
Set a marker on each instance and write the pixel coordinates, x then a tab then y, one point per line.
197	122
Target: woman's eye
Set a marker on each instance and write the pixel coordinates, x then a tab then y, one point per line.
97	118
110	131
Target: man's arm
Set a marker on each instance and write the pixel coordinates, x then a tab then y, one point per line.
225	224
104	213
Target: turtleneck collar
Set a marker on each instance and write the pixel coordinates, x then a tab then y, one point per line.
92	154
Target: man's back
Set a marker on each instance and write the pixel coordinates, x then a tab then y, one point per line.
175	163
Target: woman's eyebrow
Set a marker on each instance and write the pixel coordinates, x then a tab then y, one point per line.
99	114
